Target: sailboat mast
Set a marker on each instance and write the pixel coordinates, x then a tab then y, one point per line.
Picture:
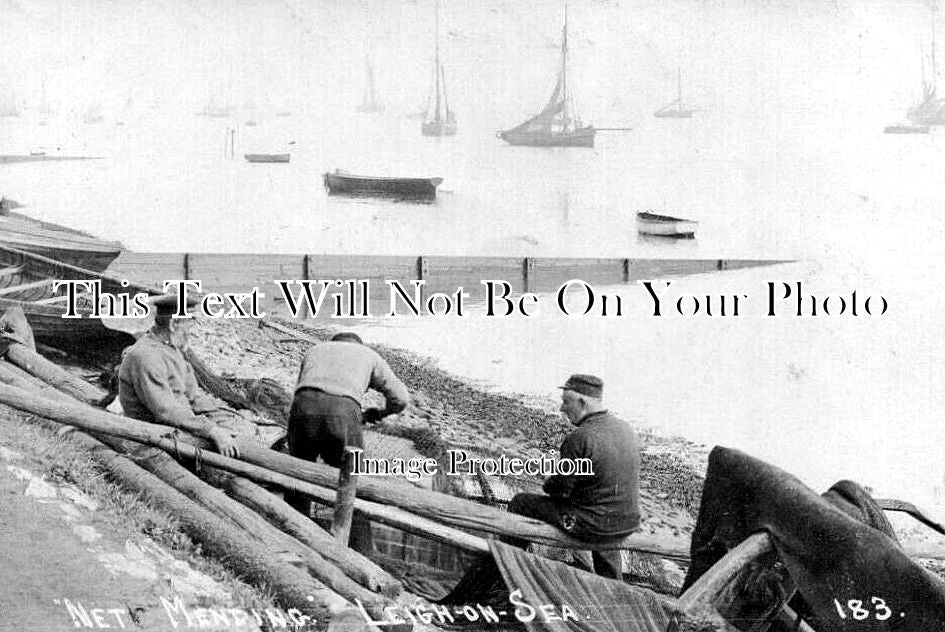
934	67
436	61
564	68
679	87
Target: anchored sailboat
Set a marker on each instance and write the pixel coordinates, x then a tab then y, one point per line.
557	125
370	103
931	109
675	108
439	119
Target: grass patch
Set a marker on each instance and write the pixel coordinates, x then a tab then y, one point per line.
126	513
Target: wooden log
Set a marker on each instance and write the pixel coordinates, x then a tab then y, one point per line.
222	540
175	443
15	376
414	510
35	364
724	574
344	502
272	539
891	504
283	516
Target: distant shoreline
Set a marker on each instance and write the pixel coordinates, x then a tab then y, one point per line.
15	158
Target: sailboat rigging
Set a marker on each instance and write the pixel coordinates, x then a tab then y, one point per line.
557	125
439	119
370	103
675	108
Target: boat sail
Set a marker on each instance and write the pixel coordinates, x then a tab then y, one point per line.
370	103
675	108
931	109
439	119
557	125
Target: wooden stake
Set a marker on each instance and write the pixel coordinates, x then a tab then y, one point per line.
344	503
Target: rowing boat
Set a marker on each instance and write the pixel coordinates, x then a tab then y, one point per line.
57	242
343	183
665	225
267	157
28	281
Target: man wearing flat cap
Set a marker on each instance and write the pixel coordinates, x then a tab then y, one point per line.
605	504
157	384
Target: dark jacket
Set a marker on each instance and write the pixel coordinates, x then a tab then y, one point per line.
606	503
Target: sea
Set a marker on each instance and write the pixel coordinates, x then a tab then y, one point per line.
784	158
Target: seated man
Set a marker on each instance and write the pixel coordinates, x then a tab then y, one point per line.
605	504
157	384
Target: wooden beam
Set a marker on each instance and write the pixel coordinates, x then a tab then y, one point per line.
344	502
724	574
57	299
221	539
285	517
51	373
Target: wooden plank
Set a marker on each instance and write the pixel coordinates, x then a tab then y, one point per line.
10	271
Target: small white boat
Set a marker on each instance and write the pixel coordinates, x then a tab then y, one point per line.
665	225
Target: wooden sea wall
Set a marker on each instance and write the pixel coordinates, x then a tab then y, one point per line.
242	272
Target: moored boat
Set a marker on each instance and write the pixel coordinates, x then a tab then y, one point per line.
439	119
371	103
267	157
675	109
557	125
906	129
57	242
665	225
27	280
343	183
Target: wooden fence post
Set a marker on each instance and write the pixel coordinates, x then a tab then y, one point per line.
344	502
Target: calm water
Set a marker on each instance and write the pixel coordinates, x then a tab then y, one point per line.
784	159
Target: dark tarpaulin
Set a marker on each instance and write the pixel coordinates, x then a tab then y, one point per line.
851	575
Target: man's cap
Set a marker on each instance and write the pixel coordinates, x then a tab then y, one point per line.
589	385
166	304
347	336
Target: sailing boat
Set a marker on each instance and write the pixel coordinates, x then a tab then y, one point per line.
675	108
370	103
556	125
931	109
438	120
